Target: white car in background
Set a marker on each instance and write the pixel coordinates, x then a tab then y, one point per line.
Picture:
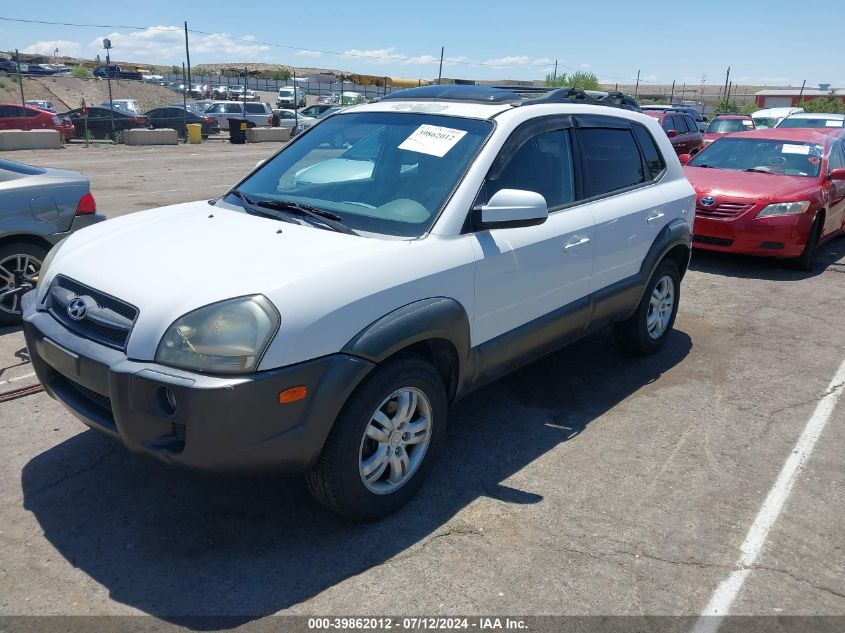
130	105
290	97
813	120
236	93
282	117
770	117
326	327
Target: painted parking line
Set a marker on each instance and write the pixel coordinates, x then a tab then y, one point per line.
725	594
16	378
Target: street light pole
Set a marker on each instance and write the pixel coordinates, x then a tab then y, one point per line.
107	46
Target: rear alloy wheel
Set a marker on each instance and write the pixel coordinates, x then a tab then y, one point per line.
20	264
648	328
382	445
805	260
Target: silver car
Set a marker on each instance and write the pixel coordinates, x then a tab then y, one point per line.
40	207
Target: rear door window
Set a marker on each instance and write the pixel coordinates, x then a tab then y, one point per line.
610	160
255	108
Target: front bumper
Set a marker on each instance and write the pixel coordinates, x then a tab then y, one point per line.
776	236
224	424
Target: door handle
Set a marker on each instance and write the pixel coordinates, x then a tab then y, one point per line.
575	243
654	217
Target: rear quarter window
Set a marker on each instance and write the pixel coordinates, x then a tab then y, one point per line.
653	157
255	108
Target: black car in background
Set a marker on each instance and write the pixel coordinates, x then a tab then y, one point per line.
116	72
98	123
177	117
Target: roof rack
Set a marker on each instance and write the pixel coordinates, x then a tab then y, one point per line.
500	96
454	92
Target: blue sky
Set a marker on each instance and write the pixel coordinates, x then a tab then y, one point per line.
782	44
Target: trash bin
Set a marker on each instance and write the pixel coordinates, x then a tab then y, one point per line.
194	132
237	131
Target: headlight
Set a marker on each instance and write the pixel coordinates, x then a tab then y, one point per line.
47	261
227	337
784	208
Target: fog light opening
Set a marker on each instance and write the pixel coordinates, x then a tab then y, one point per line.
166	400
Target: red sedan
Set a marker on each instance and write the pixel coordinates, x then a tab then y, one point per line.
727	124
14	116
776	192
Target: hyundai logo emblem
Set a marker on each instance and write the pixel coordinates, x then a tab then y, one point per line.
77	309
707	201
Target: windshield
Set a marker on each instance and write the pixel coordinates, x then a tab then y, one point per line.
778	157
802	122
381	172
765	122
726	126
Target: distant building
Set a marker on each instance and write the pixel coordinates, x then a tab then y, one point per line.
788	97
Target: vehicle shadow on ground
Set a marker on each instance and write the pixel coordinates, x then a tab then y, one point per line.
770	268
174	543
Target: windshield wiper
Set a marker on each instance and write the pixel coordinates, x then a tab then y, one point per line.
757	170
332	220
251	207
705	165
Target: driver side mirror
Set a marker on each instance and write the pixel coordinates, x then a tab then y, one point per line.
511	208
671	133
685	158
837	174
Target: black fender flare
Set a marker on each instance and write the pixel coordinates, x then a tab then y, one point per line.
440	318
676	233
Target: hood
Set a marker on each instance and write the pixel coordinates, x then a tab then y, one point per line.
750	186
171	260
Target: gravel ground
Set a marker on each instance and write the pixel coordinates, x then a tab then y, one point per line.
588	483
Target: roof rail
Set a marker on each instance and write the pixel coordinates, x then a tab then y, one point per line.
499	96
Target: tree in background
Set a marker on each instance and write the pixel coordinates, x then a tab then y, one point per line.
281	75
728	106
580	79
829	105
80	72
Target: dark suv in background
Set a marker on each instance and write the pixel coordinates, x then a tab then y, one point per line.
681	129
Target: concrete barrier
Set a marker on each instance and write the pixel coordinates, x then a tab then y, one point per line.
31	139
165	136
267	134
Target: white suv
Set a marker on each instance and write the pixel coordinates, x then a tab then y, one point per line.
323	314
257	114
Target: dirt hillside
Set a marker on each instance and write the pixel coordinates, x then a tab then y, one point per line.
67	93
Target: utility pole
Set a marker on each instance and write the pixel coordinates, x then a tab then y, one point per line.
18	69
107	46
728	95
727	76
440	72
187	53
295	100
555	75
637	87
184	104
672	95
801	94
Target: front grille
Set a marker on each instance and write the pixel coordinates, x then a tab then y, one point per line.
715	241
107	320
723	210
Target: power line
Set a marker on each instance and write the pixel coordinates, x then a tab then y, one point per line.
422	59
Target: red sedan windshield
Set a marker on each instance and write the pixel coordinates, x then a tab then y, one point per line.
762	155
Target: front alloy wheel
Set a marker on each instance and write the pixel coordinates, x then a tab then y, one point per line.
383	444
395	441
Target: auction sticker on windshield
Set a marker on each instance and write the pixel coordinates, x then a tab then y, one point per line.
795	149
433	140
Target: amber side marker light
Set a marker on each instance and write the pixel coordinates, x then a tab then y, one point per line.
293	394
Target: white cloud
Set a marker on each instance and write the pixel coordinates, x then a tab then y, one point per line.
47	47
308	53
585	65
518	60
649	78
167	44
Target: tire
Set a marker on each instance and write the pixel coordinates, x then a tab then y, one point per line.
642	334
19	263
338	479
805	260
